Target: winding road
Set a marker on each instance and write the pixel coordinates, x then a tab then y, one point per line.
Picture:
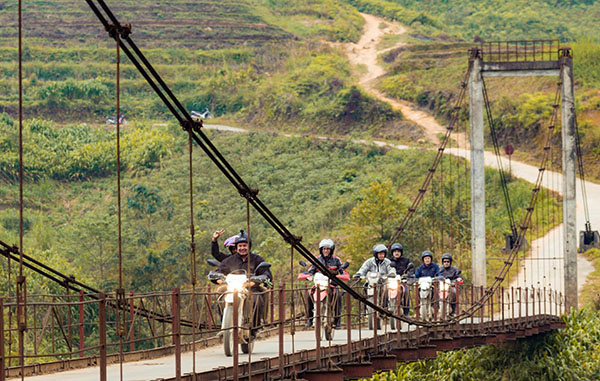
542	267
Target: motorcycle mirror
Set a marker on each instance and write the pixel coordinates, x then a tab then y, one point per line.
261	265
302	263
213	262
345	265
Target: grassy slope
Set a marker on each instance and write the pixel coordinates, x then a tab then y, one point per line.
254	62
429	71
311	185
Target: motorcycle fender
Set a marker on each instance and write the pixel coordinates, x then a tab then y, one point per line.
370	291
392	294
323	295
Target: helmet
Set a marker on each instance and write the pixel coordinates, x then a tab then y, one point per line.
447	256
379	248
326	243
397	246
230	241
427	253
243	237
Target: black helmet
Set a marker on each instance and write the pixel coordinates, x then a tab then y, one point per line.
447	256
243	237
379	248
326	243
395	247
427	253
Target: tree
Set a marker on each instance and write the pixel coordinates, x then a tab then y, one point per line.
373	219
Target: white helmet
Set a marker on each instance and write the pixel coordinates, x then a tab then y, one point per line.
326	243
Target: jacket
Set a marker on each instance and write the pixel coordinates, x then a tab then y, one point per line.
214	250
235	262
329	261
383	267
451	273
431	270
403	266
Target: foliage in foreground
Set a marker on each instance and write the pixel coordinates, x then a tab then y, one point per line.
572	353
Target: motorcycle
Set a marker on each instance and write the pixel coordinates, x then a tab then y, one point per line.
394	285
327	296
426	297
375	278
237	283
447	292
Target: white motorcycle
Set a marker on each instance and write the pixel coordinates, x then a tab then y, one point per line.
375	278
237	282
327	296
395	285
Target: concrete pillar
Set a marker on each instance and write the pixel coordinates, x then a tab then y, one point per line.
569	172
478	265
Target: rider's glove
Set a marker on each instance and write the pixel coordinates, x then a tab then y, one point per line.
259	279
214	276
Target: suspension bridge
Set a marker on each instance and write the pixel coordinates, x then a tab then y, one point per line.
94	334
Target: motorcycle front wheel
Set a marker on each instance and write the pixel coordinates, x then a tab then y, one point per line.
228	331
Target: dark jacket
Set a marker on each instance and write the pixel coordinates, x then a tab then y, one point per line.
451	273
214	250
235	262
430	270
329	261
403	266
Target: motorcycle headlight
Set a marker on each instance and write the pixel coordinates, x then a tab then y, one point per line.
392	284
236	283
321	280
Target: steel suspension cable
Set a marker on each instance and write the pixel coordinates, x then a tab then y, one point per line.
503	182
121	291
526	221
210	150
251	195
21	285
193	278
431	171
588	225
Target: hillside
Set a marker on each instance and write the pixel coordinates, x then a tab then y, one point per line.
260	63
316	187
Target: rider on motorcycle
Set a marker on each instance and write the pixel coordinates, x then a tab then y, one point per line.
229	243
379	263
450	272
239	261
328	259
428	268
403	266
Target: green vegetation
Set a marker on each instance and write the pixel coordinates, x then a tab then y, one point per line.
316	188
260	63
430	75
490	21
568	354
590	294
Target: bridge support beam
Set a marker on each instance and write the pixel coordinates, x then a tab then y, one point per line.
478	265
569	157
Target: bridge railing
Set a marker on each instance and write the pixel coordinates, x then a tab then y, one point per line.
520	51
85	329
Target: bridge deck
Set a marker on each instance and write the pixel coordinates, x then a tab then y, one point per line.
211	363
206	359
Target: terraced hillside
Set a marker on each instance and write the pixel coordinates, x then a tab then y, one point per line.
190	24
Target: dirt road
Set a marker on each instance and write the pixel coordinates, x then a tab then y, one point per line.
531	273
366	51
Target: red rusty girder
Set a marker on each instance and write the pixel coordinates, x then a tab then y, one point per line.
357	370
